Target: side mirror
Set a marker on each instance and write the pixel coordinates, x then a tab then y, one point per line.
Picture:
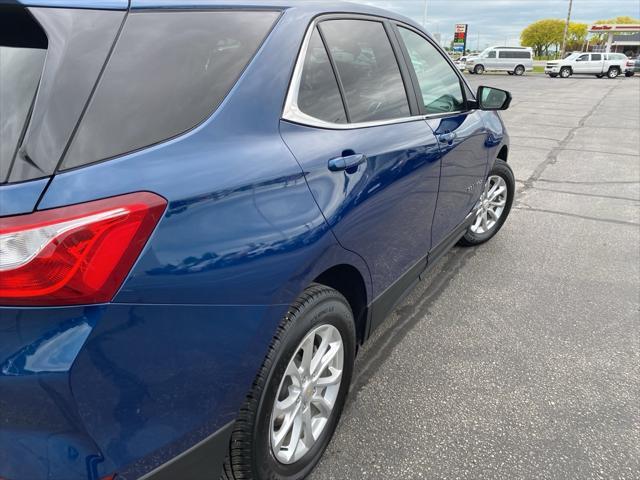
490	98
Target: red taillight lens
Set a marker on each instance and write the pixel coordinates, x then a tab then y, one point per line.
74	255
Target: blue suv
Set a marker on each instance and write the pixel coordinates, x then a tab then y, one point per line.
206	207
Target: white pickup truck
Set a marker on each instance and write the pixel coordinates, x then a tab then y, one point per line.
598	64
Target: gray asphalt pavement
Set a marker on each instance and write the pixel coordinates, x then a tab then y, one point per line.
521	358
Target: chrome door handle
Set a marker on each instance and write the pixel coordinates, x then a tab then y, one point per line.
346	163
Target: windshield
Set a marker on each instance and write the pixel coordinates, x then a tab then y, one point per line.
485	52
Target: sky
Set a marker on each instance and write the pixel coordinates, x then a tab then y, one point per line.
499	22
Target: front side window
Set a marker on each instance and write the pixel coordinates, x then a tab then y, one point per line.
319	95
491	54
583	58
439	83
367	68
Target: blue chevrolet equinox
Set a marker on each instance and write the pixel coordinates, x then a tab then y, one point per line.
206	207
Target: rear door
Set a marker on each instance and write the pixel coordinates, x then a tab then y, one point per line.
461	132
352	122
596	63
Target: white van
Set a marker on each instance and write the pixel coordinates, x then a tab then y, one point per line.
513	60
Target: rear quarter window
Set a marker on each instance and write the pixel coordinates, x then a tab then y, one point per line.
169	71
23	47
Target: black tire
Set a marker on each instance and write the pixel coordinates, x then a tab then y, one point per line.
553	75
250	455
519	70
628	74
599	75
510	73
478	69
502	169
565	72
613	72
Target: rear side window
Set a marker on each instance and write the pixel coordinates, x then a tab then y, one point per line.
515	54
319	95
596	56
367	68
23	46
169	71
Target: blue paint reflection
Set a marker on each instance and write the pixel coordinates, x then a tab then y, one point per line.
53	352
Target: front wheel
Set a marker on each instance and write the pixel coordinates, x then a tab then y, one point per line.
565	72
479	69
297	398
494	205
553	75
599	75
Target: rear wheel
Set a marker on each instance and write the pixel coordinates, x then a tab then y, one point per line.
519	70
494	205
613	72
297	398
565	72
479	69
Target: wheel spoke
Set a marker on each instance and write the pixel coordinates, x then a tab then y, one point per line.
282	407
317	357
307	355
498	203
307	428
334	349
322	404
293	373
499	191
493	215
332	379
485	226
289	421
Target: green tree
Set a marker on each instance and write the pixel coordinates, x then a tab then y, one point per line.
576	36
542	35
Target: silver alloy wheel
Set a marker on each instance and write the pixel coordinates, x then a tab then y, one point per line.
307	394
491	204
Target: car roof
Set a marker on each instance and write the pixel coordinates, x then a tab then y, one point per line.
312	7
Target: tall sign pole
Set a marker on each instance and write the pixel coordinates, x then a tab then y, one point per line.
566	30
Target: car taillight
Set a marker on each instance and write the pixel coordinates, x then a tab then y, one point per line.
77	254
630	63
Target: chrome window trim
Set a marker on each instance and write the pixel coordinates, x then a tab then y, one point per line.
292	112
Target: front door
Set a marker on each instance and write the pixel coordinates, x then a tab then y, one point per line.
461	133
582	64
370	163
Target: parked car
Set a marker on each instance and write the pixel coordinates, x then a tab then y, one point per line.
632	67
204	213
461	63
598	64
513	60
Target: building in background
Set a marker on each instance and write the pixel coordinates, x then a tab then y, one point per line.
619	38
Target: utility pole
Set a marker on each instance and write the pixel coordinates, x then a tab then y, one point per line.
566	30
424	15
